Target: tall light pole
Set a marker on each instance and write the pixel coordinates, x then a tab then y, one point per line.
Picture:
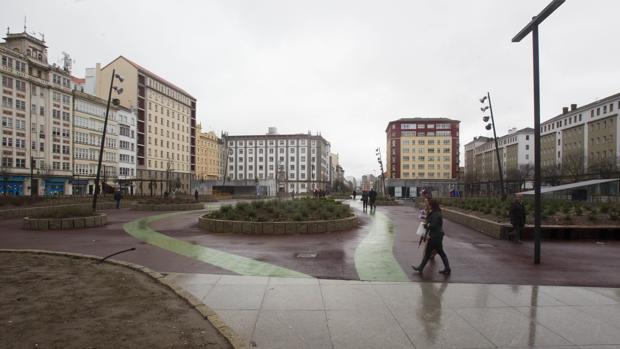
382	172
488	127
532	27
118	90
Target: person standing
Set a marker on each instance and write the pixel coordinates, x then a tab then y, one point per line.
354	194
196	195
364	200
117	197
434	226
517	218
372	198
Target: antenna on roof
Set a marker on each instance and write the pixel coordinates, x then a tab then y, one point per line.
24	24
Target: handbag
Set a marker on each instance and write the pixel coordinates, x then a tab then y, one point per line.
421	230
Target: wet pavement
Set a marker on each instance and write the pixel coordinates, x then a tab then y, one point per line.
310	313
382	249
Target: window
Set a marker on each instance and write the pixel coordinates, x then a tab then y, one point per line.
21	163
7	102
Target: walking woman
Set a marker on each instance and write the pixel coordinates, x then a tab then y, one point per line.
434	225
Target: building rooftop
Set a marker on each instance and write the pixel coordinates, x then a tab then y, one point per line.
150	73
583	108
417	119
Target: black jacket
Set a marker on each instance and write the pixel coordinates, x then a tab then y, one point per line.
517	214
434	224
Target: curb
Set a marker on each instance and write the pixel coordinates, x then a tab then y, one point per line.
209	314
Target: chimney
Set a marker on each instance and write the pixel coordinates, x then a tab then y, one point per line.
573	107
564	110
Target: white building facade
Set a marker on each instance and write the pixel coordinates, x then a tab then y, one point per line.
297	162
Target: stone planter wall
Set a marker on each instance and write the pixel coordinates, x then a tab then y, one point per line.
64	223
485	226
307	227
31	211
169	207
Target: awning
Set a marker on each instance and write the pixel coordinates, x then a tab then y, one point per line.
575	185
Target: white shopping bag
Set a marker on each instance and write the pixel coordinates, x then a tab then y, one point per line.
421	230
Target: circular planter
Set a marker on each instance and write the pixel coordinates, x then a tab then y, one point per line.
303	227
169	207
64	223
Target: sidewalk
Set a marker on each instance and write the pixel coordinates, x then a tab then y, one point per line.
315	313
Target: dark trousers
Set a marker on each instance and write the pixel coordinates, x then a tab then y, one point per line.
364	204
435	244
516	232
118	204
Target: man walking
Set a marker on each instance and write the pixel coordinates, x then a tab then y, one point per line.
196	195
354	194
117	197
372	198
517	218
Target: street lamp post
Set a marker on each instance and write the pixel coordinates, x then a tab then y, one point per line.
532	27
118	90
382	172
488	127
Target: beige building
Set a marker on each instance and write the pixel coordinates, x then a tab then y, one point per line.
422	153
208	155
36	119
166	121
582	140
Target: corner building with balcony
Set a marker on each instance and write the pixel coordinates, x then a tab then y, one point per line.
166	121
36	120
422	153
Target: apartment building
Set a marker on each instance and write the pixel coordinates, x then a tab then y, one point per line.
297	162
166	122
582	139
208	155
88	120
36	119
516	151
421	153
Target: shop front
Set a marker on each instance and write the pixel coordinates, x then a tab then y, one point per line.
55	186
12	185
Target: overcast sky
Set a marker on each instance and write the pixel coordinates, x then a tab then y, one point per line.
344	68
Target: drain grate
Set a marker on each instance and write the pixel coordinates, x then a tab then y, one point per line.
306	255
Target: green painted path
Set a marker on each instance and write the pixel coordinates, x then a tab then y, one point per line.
141	230
374	256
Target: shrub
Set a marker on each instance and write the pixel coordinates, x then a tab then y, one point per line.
613	216
578	211
568	218
289	210
605	209
65	212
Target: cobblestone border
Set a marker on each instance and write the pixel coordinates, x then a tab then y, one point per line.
303	227
97	220
236	341
169	207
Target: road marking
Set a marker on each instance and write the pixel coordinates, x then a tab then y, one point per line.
141	230
374	256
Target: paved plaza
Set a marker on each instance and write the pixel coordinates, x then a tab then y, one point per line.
317	313
356	289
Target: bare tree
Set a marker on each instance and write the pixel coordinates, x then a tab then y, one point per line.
604	168
573	166
551	174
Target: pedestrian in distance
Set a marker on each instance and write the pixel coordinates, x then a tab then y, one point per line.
196	195
354	194
372	199
364	200
434	228
517	218
117	197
